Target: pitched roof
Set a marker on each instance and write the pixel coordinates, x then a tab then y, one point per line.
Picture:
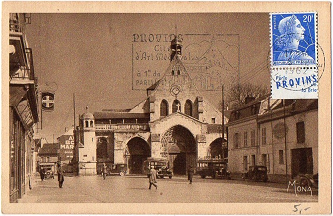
119	115
49	149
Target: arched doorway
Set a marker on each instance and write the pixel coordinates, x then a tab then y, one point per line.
181	149
216	149
101	151
139	151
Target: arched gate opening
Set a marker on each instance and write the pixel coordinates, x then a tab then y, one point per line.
217	149
139	151
180	148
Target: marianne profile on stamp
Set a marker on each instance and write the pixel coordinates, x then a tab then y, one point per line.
294	39
292	32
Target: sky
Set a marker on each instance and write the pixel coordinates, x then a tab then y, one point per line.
93	56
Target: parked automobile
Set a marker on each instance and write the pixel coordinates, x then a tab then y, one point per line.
161	165
307	180
256	173
215	168
113	169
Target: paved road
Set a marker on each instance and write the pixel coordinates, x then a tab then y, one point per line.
134	189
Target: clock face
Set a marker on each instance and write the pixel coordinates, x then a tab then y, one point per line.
175	90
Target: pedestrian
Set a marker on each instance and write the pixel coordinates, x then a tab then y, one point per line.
61	178
104	170
152	178
190	173
42	173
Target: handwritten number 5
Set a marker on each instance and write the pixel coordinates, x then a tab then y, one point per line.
295	206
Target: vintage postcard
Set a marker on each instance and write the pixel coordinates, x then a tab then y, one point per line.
166	108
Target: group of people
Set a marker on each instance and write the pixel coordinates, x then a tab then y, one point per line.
60	171
153	176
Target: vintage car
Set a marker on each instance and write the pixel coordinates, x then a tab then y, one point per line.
113	169
256	173
161	165
307	180
215	168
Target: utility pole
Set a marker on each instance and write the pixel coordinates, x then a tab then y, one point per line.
74	109
223	149
76	148
285	134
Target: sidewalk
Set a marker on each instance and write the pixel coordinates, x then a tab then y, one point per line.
48	191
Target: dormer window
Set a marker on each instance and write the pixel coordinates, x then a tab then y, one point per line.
178	72
173	72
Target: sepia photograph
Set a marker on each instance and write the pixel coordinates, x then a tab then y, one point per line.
126	108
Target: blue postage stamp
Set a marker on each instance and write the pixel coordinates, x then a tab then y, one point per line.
294	60
294	39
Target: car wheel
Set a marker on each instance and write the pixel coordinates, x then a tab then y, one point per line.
170	177
203	176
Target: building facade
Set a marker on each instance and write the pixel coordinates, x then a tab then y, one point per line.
174	122
279	134
48	156
23	112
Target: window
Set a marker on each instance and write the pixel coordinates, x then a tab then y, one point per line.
263	136
188	108
91	124
245	139
85	155
253	160
264	159
300	130
176	107
236	140
245	163
253	138
281	160
164	108
87	123
213	120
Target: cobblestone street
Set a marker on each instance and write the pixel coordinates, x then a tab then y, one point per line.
134	189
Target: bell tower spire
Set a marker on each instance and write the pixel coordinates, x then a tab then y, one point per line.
176	46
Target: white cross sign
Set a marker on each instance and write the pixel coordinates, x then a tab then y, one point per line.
48	101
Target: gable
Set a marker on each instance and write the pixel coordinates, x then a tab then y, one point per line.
142	107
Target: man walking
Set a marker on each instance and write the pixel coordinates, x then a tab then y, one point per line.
61	178
104	170
190	173
42	174
152	178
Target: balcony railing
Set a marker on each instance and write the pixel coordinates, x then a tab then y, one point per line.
122	127
26	72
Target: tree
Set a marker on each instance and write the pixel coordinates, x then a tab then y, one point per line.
235	96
